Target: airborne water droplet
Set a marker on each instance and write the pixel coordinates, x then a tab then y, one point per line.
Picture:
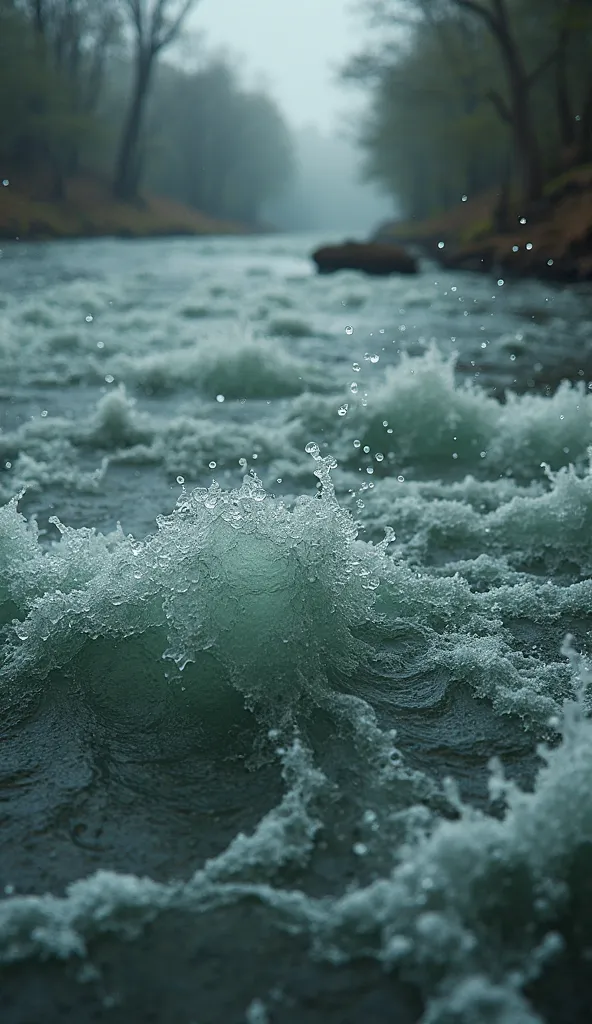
349	330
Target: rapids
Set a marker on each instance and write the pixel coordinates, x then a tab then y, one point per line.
295	612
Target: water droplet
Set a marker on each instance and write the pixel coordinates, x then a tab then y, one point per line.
89	319
100	344
353	387
515	248
180	479
360	849
109	378
43	413
342	411
242	463
349	330
374	359
219	398
500	282
366	449
312	448
356	367
5	182
212	465
464	198
360	503
455	455
379	457
550	263
523	220
441	245
357	443
529	245
369	470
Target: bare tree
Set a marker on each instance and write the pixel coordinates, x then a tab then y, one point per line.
495	15
155	24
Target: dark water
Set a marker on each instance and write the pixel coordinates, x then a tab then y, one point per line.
291	727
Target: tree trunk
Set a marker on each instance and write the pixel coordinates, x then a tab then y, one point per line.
585	132
523	127
125	184
525	139
565	116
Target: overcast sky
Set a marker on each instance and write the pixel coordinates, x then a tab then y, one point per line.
294	46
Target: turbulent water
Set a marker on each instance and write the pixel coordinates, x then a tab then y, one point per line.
294	617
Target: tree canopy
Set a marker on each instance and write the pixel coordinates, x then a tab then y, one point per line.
76	96
468	94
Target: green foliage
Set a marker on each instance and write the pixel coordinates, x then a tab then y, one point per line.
64	88
216	146
438	86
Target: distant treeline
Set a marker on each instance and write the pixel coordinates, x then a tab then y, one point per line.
83	89
468	94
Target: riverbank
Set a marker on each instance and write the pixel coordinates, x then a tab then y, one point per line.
552	240
88	210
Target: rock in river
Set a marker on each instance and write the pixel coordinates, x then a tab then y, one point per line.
370	257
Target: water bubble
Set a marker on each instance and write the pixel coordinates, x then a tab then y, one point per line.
180	480
312	448
353	387
356	367
212	464
219	398
342	411
349	330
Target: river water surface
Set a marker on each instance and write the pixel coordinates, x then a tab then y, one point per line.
295	605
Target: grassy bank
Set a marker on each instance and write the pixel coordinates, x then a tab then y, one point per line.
552	239
88	210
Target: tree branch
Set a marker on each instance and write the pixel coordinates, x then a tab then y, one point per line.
164	37
500	105
545	63
482	12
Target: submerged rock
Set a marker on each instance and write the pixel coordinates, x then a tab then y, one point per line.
377	258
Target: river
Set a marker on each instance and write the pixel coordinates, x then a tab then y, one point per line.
295	604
